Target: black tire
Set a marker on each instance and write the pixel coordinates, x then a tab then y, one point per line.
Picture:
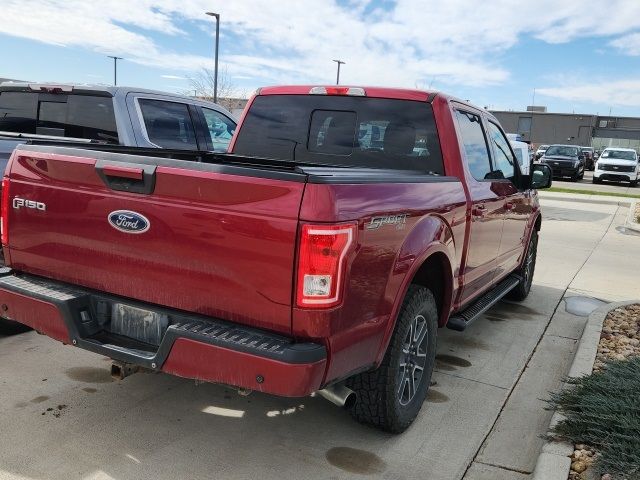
521	291
9	327
581	176
596	180
633	183
384	396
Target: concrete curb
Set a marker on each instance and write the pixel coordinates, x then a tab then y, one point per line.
631	224
580	197
554	462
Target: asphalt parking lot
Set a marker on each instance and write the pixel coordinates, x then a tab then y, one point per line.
65	418
587	184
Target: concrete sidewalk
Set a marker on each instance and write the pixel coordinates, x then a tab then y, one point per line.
586	262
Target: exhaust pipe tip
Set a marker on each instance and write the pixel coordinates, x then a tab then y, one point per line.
340	395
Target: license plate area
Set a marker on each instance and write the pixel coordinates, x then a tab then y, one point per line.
138	323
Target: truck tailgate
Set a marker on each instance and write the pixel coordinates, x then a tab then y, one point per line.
220	240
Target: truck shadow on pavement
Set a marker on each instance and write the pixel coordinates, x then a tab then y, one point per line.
158	426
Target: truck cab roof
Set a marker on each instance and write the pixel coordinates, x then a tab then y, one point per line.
371	91
91	89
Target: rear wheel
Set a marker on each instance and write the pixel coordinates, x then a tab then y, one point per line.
521	291
391	396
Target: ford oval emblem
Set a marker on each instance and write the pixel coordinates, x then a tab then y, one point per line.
129	222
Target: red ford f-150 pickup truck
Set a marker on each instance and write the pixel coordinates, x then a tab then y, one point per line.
321	255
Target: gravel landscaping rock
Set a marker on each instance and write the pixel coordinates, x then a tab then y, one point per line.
620	340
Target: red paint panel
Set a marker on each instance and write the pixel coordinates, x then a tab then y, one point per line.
382	262
192	359
39	315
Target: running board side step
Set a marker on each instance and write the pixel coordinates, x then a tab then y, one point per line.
461	320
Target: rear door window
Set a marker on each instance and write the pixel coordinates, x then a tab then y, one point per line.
168	124
343	131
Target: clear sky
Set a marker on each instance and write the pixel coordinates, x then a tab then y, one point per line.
579	55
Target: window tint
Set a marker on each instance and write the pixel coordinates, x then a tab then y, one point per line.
18	112
79	116
332	132
220	128
91	117
562	150
524	125
621	154
475	145
52	114
519	155
503	161
342	131
168	124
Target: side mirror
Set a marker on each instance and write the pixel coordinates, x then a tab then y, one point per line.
541	176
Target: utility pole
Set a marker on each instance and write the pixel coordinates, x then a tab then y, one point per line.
215	72
533	100
339	62
115	68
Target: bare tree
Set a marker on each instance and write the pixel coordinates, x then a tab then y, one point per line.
202	86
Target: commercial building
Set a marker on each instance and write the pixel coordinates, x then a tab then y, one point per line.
537	126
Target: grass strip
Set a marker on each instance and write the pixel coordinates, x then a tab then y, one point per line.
592	192
603	410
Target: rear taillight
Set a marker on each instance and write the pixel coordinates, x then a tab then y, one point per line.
4	215
321	264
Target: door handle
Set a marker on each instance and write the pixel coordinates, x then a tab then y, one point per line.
123	172
127	177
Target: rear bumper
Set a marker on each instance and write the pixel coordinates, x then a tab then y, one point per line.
192	346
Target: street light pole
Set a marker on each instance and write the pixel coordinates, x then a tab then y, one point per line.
339	62
115	68
215	72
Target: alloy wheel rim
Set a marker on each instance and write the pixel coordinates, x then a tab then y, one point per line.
412	360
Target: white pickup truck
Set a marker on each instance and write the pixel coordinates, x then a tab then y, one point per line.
618	165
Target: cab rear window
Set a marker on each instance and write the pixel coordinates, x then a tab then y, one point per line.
78	116
342	131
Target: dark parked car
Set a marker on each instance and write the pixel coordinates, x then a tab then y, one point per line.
589	159
565	161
